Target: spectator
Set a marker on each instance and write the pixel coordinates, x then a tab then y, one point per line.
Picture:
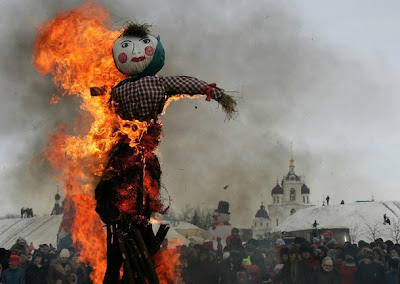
230	267
369	272
20	247
234	240
279	244
328	274
307	264
13	274
348	269
62	270
328	238
392	273
36	273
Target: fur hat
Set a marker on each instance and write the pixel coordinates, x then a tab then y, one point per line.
305	247
37	254
65	253
369	256
14	258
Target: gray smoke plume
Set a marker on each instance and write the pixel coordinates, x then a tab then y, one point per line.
280	78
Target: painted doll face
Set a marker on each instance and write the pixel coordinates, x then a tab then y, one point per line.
133	54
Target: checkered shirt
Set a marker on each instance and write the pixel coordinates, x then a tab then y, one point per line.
144	99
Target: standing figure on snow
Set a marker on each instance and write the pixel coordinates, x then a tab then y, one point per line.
327	200
128	192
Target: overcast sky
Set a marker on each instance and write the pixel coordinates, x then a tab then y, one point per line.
322	75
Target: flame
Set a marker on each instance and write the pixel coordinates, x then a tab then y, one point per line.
75	49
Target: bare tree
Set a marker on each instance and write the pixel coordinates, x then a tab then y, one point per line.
187	213
355	231
200	217
395	231
372	231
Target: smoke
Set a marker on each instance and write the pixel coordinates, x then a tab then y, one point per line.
281	78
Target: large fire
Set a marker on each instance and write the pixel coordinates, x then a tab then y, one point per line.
75	48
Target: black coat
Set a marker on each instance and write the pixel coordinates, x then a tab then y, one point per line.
373	273
325	277
36	275
228	273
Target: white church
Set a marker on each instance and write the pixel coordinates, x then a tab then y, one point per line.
288	197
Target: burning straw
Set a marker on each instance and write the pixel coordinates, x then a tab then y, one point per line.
228	104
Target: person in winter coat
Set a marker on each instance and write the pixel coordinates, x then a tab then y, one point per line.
36	273
206	269
290	271
62	271
392	273
279	244
230	267
328	274
13	274
234	239
369	271
307	264
20	247
328	238
347	270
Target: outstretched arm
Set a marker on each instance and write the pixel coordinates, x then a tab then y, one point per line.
175	85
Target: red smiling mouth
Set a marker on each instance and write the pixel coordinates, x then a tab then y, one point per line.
138	59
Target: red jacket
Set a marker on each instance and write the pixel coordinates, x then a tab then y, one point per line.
230	239
347	273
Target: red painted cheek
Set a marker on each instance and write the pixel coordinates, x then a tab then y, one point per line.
122	57
149	50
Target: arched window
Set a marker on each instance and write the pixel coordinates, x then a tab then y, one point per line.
292	211
277	222
277	200
308	201
274	200
304	199
255	223
292	194
261	224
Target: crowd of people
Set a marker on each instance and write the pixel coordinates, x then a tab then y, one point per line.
23	264
322	261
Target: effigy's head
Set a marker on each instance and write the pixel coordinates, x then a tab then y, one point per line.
136	51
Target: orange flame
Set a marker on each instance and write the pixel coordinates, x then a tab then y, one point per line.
75	48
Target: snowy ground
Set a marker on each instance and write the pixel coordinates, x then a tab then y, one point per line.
43	230
365	219
39	230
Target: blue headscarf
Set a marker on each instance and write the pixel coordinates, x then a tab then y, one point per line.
155	65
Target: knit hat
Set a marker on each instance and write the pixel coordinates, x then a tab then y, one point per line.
14	258
280	242
65	253
225	255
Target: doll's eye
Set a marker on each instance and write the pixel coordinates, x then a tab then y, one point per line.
125	44
146	40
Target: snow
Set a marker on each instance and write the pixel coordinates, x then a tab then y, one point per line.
39	230
355	216
43	230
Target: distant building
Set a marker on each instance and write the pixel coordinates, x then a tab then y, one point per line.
261	224
288	197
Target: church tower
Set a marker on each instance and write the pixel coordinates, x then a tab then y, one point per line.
288	197
261	223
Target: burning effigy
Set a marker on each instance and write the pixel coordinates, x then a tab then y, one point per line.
111	167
